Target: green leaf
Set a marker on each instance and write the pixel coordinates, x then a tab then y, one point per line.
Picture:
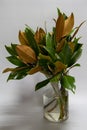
67	82
41	56
31	40
77	46
44	64
56	78
65	54
12	76
19	74
42	84
11	49
65	16
14	48
15	61
76	65
30	29
76	39
58	11
50	45
75	56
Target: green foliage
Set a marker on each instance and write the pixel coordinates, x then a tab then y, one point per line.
68	82
31	40
50	45
15	61
65	55
52	53
42	84
18	74
11	49
75	56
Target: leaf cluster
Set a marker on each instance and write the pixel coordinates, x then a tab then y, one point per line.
52	53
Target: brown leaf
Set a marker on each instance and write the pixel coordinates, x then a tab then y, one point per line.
60	45
7	70
72	46
13	69
34	70
77	29
59	66
36	36
22	38
39	35
59	27
68	25
26	54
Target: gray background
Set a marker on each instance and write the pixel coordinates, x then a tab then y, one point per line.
20	105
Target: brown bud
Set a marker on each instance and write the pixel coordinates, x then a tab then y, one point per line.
22	38
26	54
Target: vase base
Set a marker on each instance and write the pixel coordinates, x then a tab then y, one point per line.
53	117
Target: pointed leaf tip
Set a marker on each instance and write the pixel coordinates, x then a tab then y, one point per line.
68	25
59	27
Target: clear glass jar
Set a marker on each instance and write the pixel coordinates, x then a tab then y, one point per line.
55	103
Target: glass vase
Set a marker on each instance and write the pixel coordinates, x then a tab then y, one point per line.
55	103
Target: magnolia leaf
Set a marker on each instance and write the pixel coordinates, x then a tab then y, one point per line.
56	78
65	16
58	11
34	70
13	46
26	54
43	63
60	45
68	25
50	46
67	82
11	49
36	36
19	74
28	27
75	56
15	61
72	46
16	69
12	75
39	35
75	65
7	70
42	83
77	29
31	40
41	56
59	66
78	46
59	27
22	38
65	54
